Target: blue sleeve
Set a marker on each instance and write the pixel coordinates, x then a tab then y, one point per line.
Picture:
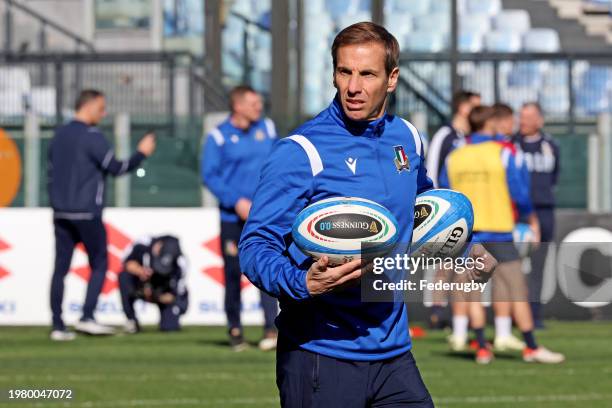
424	183
104	157
443	181
212	173
284	190
518	183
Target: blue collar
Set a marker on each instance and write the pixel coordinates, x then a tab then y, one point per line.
475	138
373	128
238	130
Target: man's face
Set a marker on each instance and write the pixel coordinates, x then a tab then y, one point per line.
156	248
530	121
361	80
95	110
505	125
249	106
475	101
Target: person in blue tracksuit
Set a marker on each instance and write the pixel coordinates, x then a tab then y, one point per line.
79	159
232	158
542	156
335	350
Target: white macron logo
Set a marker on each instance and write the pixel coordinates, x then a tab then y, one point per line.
352	164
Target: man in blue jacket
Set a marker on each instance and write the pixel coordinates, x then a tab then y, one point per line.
231	161
335	350
80	158
542	156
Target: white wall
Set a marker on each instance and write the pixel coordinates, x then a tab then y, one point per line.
27	256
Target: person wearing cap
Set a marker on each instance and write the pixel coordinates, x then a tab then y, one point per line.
154	271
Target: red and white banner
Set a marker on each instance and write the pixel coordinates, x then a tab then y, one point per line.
27	258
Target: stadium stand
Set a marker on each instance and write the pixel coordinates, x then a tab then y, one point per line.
516	27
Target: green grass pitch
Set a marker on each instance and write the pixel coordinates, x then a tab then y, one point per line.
195	368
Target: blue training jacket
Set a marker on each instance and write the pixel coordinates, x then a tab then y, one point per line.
331	156
79	159
231	162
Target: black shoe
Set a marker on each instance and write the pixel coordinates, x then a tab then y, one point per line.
236	340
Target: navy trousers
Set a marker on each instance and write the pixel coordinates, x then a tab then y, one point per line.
310	380
68	233
546	217
230	236
169	315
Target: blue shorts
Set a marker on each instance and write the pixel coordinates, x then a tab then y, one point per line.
310	380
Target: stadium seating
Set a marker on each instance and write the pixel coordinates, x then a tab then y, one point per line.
541	40
475	23
426	41
490	7
502	41
414	8
526	74
341	8
470	42
484	26
593	88
554	100
441	22
516	21
400	25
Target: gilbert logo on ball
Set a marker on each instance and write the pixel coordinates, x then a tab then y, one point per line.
443	221
344	229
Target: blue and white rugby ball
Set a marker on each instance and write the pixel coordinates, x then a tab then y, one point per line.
443	222
338	227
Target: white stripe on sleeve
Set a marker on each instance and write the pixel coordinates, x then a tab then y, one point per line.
316	165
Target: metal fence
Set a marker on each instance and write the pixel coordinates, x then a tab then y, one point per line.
573	88
154	88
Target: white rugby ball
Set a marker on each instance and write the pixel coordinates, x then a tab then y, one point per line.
443	222
524	238
344	229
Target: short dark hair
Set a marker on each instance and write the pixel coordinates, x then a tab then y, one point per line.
85	96
501	110
365	32
479	116
238	92
461	97
533	104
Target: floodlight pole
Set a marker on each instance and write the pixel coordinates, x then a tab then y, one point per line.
279	87
454	52
212	38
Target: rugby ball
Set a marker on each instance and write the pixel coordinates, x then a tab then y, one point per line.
523	239
344	229
443	222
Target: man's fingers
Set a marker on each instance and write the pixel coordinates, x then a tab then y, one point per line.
477	250
349	277
345	269
322	263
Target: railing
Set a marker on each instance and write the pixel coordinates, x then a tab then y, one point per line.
42	34
573	88
246	62
154	88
